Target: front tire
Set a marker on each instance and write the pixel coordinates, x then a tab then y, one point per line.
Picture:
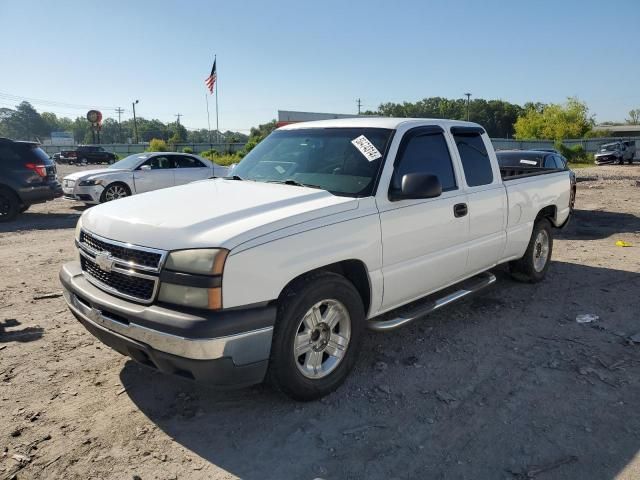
533	266
9	205
114	191
317	336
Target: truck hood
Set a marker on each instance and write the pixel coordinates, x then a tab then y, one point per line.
211	213
84	174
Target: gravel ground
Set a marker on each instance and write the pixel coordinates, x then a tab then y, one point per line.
504	385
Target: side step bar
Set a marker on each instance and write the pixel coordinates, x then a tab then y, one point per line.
467	288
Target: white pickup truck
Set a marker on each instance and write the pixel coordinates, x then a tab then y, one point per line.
326	228
138	173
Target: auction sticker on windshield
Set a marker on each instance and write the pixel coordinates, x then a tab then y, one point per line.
366	148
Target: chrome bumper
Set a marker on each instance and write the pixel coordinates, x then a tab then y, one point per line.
84	299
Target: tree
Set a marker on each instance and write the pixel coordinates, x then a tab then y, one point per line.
634	116
24	123
261	131
555	121
496	116
178	133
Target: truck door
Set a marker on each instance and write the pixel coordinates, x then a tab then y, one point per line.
486	196
155	173
423	241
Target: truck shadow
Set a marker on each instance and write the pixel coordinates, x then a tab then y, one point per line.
596	224
496	386
27	334
40	221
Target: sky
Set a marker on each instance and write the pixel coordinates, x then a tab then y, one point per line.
314	56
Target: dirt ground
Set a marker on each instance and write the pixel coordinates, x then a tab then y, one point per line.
504	385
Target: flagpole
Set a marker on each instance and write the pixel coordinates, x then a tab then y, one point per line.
206	99
217	87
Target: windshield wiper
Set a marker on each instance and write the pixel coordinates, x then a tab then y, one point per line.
233	177
296	183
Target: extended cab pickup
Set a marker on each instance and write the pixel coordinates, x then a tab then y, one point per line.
324	229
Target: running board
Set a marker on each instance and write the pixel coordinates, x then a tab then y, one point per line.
468	287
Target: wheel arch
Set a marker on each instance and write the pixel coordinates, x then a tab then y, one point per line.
352	269
116	182
550	212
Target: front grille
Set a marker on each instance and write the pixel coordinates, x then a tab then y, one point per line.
131	286
138	257
120	268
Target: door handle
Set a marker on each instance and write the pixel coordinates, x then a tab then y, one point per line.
460	210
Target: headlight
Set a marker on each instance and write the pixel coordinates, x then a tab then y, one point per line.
78	228
196	264
88	183
199	262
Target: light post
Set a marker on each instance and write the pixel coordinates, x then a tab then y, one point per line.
468	100
135	123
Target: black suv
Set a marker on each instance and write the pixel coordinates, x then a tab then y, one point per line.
27	176
84	154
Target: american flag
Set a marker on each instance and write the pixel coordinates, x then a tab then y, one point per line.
211	79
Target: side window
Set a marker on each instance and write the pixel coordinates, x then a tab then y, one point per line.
8	155
426	153
550	161
187	162
158	163
560	162
475	159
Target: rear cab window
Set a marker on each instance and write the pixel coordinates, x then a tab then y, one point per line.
476	163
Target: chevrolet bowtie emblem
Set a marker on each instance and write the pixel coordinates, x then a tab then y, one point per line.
105	261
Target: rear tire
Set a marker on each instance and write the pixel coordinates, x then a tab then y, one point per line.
9	205
533	266
317	336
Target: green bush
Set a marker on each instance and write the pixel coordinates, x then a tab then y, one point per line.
575	154
187	150
157	145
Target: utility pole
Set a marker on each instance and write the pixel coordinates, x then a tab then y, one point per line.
359	103
178	115
119	111
468	101
135	124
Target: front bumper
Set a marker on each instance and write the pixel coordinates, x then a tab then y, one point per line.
89	194
226	349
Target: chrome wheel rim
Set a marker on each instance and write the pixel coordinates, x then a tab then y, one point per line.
322	339
115	192
541	251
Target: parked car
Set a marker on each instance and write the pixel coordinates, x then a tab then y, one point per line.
616	152
27	176
325	229
539	158
137	174
85	154
56	157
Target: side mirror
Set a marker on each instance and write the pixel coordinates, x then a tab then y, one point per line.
145	167
419	185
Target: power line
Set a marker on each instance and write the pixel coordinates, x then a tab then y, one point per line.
52	103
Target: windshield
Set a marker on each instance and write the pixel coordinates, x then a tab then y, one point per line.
130	162
610	148
343	161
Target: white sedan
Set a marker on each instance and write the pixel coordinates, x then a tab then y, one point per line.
138	173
